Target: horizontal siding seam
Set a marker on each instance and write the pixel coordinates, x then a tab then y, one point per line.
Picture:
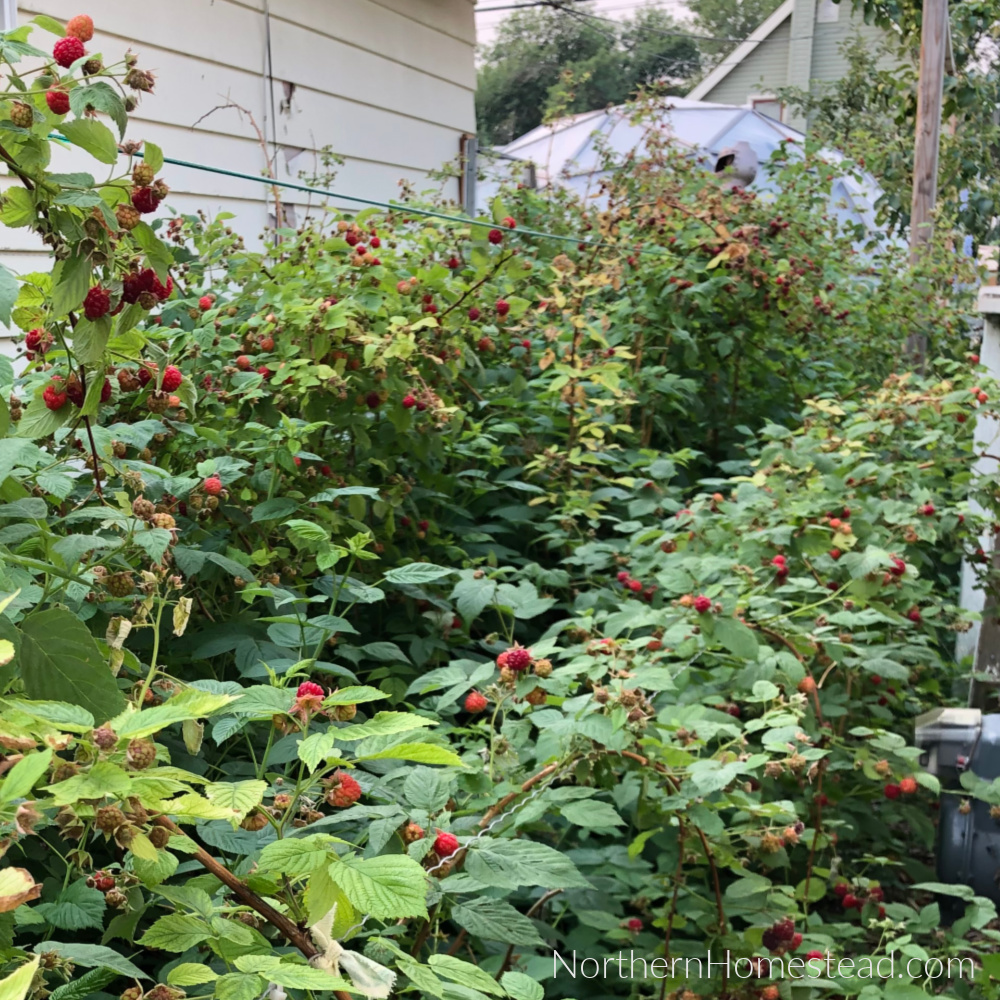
415	20
362	48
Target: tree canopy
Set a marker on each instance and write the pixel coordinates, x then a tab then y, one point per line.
547	62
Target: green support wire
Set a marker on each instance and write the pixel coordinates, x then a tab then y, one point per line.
392	206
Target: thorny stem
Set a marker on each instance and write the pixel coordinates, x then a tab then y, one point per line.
681	835
156	652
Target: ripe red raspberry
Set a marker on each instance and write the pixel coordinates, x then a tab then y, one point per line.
928	509
81	26
495	236
145	200
445	844
373	400
908	785
243	362
634	924
503	307
33	339
475	701
876	893
818	955
172	378
518	658
67	50
375	243
97	303
841	889
409	401
54	397
267	344
161	291
352	239
326	470
308	688
454	263
205	303
263	370
892	791
213	487
778	560
634	585
851	902
898	567
105	391
623	576
914	615
702	604
509	222
344	792
58	101
526	344
474	314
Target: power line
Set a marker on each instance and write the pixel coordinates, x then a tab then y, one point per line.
666	33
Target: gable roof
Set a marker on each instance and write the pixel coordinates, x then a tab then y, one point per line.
742	51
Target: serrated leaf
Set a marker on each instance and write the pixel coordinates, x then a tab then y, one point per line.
103	779
238	986
92	136
88	985
387	887
58	653
176	932
102	97
189	704
521	987
75	908
21	778
508	864
736	637
383	724
354	695
236	797
465	974
297	856
420	753
591	814
415	573
191	974
273	510
153	156
92	956
496	920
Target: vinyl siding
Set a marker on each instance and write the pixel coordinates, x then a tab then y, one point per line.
387	84
762	72
828	62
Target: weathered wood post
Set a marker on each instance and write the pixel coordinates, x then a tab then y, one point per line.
982	641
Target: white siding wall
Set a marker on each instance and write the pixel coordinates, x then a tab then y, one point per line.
387	84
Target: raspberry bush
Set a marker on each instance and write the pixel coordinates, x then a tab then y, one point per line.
458	595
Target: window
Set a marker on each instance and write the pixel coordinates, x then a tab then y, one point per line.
767	104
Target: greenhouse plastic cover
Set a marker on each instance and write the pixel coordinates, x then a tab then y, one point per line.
568	152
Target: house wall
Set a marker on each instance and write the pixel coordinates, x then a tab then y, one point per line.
387	84
762	72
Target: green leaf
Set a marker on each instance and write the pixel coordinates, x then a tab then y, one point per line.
737	638
313	750
354	695
495	920
18	208
417	572
9	290
22	776
86	986
157	252
90	339
75	908
38	421
273	510
70	283
191	974
306	531
236	797
58	654
297	856
93	956
189	704
383	724
16	985
238	986
153	156
102	97
465	974
421	753
521	987
345	491
92	136
176	932
591	814
103	779
386	888
508	864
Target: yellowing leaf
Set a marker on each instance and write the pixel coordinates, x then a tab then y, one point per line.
16	887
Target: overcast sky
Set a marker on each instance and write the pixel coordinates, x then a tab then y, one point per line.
486	22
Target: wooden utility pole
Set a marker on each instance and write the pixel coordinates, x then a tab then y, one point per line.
934	43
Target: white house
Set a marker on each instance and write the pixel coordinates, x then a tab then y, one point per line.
387	84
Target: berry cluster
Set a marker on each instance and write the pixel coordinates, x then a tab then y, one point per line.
781	937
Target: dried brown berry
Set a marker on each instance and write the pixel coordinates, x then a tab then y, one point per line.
120	584
107	819
143	508
141	754
159	837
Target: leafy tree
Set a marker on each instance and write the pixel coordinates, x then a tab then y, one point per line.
547	62
729	21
